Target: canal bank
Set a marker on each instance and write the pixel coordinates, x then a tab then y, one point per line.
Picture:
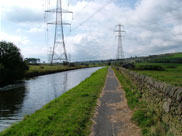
68	114
37	70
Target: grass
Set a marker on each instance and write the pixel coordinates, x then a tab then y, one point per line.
67	115
172	73
144	116
35	70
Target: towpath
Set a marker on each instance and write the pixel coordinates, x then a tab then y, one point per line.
112	116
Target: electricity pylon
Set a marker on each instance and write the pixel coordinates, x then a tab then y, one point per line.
119	31
59	43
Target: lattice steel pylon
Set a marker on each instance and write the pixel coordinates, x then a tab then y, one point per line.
59	42
119	31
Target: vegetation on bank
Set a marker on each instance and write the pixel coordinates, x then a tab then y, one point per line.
143	116
12	65
35	70
169	72
67	115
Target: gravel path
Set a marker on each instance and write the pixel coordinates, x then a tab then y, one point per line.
112	116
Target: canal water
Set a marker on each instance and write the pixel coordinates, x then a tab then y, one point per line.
26	97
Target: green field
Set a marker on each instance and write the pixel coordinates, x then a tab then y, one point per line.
67	115
171	74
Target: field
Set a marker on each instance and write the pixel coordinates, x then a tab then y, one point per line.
67	115
171	74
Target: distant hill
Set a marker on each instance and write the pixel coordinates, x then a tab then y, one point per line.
161	58
165	58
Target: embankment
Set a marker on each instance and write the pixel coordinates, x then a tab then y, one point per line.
164	99
37	70
68	114
43	70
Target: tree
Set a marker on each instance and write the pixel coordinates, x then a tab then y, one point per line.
12	66
109	63
32	60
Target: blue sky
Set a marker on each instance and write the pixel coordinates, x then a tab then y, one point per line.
152	26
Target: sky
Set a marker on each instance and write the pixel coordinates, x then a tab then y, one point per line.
152	27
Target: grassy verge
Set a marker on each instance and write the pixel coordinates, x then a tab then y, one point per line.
35	70
67	115
144	116
172	73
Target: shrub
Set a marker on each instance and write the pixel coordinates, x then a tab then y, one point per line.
71	64
150	67
12	66
129	66
171	66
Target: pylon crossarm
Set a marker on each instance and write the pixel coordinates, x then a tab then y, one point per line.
58	23
119	31
120	25
120	36
58	11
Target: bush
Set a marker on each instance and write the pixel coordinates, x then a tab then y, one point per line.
71	64
150	67
171	66
12	66
129	66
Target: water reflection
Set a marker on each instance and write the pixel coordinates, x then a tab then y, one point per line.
11	101
27	97
63	82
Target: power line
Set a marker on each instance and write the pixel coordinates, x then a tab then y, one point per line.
92	15
86	5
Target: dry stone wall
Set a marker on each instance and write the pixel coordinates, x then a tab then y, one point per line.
165	99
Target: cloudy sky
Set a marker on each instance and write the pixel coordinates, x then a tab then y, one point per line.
152	27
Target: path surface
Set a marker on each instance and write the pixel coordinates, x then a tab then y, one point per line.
112	117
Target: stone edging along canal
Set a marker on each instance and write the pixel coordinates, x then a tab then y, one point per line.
68	114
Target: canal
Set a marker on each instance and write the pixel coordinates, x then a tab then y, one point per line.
26	97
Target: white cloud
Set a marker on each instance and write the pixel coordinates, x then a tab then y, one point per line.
152	26
35	29
17	40
149	25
